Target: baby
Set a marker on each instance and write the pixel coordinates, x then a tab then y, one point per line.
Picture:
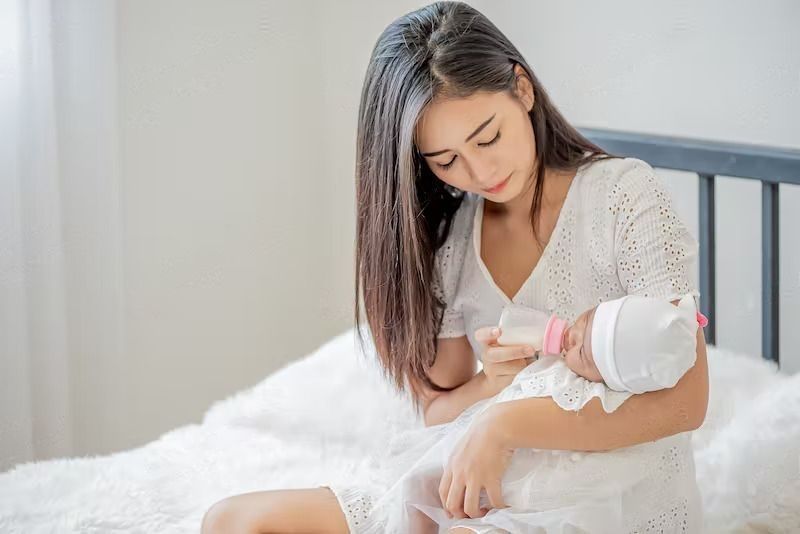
643	361
616	349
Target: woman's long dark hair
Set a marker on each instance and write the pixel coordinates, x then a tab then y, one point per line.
443	50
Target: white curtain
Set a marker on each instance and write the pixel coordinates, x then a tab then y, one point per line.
60	279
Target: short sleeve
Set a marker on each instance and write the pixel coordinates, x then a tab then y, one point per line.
449	260
655	253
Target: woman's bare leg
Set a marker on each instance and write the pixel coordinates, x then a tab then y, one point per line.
307	510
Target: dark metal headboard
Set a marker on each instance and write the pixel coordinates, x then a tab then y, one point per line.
772	166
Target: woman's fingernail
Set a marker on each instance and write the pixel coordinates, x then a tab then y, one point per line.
495	331
529	351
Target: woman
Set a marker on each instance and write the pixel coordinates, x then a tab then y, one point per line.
473	191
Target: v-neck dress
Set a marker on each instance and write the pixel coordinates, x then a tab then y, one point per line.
616	234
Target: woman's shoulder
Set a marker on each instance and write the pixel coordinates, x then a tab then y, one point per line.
621	174
620	187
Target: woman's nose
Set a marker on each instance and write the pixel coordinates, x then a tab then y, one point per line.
484	172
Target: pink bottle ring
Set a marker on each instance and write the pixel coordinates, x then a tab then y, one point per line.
553	333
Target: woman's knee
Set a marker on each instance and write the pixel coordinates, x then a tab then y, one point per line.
224	516
285	511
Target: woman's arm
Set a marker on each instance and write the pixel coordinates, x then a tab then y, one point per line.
449	405
540	423
454	367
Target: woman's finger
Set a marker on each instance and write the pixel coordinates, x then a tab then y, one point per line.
485	336
455	499
495	494
444	486
506	353
471	500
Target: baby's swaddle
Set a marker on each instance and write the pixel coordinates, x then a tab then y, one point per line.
545	490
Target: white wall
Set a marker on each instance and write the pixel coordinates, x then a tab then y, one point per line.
227	201
236	135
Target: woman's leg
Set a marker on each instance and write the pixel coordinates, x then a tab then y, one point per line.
308	510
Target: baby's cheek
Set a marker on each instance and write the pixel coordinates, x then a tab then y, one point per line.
573	364
593	375
577	366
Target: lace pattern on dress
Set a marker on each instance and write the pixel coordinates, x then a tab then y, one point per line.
550	376
449	259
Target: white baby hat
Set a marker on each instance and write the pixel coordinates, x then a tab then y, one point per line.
644	344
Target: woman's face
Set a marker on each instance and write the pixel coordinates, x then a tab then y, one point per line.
476	143
577	345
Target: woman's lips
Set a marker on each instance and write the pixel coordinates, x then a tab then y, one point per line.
499	187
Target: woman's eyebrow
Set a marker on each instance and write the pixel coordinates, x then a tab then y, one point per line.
470	136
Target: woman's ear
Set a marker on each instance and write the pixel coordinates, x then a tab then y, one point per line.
524	88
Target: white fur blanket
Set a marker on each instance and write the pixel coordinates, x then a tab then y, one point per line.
321	420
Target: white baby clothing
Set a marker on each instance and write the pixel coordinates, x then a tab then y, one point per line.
616	234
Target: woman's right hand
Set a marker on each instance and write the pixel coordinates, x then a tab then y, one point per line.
501	363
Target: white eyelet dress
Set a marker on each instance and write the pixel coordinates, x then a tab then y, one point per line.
616	234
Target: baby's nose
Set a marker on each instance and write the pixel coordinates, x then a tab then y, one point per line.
566	340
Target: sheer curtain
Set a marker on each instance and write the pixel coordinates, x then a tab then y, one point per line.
60	268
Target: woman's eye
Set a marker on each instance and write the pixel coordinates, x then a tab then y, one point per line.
447	165
493	141
488	143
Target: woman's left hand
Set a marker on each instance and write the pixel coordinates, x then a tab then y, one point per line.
478	461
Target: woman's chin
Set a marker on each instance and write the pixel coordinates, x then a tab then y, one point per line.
511	191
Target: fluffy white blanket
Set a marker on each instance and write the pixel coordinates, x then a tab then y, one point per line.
323	418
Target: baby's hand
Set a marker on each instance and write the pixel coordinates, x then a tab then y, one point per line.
501	363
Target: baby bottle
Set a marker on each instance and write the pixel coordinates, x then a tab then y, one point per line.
520	325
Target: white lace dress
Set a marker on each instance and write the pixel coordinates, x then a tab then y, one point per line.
616	234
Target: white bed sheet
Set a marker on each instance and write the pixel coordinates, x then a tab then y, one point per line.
327	417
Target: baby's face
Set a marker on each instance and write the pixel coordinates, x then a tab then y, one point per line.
577	343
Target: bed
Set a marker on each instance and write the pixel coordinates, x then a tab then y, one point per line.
326	417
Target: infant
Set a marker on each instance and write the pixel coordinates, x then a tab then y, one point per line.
612	351
646	362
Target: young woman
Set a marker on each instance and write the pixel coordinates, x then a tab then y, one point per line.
473	191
